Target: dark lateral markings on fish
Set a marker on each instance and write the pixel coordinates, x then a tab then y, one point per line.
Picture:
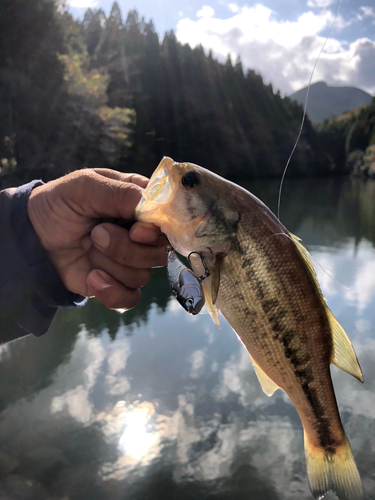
263	282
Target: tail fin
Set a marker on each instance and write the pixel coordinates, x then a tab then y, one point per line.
335	472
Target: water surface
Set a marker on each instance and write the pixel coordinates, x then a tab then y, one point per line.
155	404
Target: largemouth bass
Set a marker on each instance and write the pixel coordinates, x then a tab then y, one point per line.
264	283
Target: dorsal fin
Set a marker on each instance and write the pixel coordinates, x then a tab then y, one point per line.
305	254
268	385
343	354
211	308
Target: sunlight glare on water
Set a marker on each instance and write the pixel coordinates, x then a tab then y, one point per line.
155	403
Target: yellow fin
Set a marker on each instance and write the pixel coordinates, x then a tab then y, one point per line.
343	354
268	385
211	308
335	472
305	254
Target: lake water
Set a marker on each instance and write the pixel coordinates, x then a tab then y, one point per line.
155	404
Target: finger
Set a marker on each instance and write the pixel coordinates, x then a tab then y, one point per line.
145	232
138	179
95	196
130	277
86	242
115	242
111	293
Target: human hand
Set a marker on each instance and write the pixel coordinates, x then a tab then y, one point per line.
112	263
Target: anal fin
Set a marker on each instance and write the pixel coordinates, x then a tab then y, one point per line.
268	385
211	308
343	354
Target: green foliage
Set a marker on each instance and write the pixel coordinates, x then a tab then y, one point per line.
107	92
90	85
346	138
191	107
115	140
52	102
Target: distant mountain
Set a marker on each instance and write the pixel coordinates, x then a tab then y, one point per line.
326	102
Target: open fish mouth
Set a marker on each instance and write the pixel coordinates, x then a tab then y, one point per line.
158	192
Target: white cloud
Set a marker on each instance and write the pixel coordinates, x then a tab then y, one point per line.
196	359
77	402
233	7
367	11
284	52
95	356
117	385
363	289
205	12
118	356
321	4
82	4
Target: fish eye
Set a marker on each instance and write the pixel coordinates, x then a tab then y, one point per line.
190	180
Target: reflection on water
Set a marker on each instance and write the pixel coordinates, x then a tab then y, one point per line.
156	404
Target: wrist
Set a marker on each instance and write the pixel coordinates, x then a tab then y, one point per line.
37	209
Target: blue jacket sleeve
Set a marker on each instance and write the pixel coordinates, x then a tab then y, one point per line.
30	288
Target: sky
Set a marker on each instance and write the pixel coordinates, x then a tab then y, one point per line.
281	40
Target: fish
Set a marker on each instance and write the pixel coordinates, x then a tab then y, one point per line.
185	286
264	283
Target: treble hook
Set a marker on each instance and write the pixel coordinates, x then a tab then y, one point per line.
207	272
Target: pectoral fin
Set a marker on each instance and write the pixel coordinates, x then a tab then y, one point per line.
268	385
212	310
343	354
215	278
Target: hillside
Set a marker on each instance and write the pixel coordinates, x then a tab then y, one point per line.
349	140
325	101
107	92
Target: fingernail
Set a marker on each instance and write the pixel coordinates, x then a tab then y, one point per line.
100	236
97	279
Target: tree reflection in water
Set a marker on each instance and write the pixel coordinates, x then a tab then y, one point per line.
156	404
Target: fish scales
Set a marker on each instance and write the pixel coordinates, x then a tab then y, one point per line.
280	327
264	284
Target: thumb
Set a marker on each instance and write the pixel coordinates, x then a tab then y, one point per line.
94	195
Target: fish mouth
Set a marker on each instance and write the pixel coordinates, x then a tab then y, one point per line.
158	192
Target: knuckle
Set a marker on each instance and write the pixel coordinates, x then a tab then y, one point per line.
127	190
82	176
82	180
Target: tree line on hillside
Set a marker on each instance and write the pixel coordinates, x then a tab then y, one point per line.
349	140
106	92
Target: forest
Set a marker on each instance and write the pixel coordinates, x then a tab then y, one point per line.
349	140
107	92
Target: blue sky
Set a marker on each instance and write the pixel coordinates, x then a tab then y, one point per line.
279	39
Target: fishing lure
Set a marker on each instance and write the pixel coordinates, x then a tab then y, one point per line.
185	286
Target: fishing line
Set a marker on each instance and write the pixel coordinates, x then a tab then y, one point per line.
311	257
296	144
304	111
